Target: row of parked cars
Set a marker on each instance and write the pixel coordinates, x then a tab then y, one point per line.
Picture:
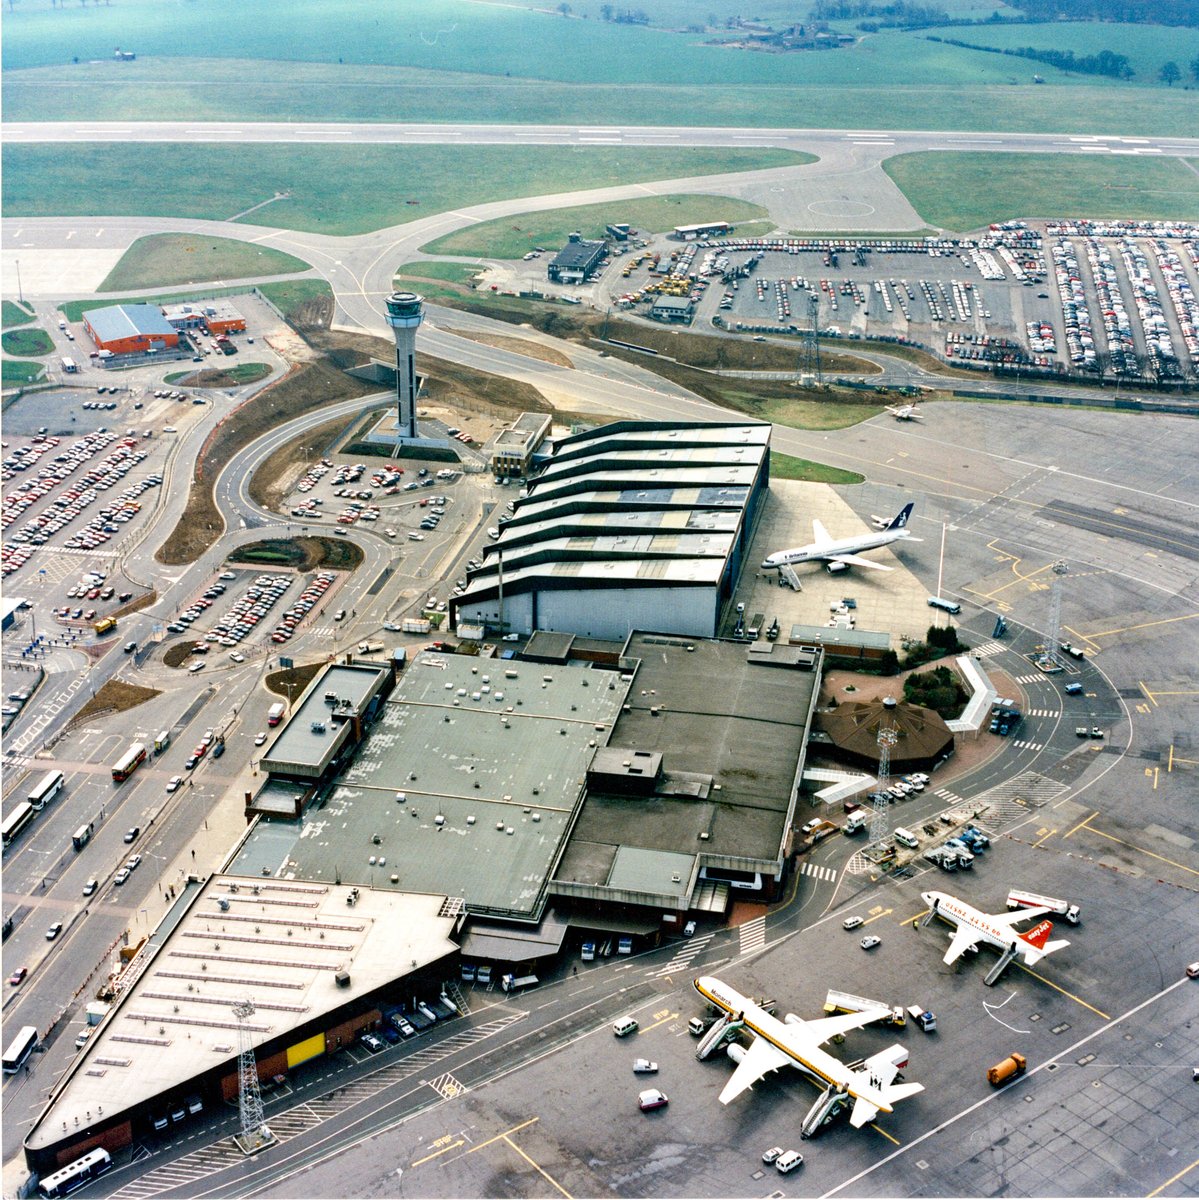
305	603
400	1025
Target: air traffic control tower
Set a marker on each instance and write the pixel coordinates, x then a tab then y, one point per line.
404	314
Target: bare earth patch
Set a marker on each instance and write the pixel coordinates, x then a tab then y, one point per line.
517	346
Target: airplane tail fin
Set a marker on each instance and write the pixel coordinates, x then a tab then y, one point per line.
901	519
879	1071
865	1110
1038	944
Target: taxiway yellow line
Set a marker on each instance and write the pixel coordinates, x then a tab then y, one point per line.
1062	991
537	1167
1173	1179
506	1133
438	1153
1141	850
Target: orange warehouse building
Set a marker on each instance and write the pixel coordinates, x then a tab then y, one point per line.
130	328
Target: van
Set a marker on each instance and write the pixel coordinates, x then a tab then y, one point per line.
624	946
130	647
949	606
624	1026
905	838
792	1159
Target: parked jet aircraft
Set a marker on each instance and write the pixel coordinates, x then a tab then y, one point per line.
840	554
994	929
797	1043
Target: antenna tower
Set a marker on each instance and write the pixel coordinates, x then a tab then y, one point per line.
254	1134
810	371
1055	614
887	737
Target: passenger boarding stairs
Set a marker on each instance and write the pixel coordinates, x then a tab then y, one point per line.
722	1029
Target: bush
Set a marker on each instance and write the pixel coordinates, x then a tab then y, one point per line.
938	689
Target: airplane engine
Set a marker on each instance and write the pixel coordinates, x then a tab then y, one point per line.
735	1051
792	1019
835	568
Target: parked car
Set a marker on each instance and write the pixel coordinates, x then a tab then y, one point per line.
53	931
852	922
120	877
770	1155
130	834
643	1066
90	886
652	1098
18	976
174	782
372	1043
869	943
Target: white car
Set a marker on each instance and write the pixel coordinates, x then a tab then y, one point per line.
851	922
237	658
174	782
260	739
199	666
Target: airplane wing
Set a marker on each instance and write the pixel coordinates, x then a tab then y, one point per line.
852	560
1013	918
819	533
824	1028
865	1110
760	1059
963	938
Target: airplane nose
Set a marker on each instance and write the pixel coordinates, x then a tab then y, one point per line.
768	565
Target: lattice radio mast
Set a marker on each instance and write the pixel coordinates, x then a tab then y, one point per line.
254	1134
888	736
1055	614
810	372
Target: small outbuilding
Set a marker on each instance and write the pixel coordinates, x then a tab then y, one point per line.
130	328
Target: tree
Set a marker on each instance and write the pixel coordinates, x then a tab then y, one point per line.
564	9
1195	68
1170	74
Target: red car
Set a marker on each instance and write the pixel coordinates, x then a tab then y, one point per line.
18	976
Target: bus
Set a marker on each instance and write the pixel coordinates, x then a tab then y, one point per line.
75	1175
46	789
128	762
19	1049
16	821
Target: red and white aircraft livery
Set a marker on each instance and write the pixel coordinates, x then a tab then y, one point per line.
995	929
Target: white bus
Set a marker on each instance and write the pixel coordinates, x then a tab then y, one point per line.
75	1175
16	821
19	1049
46	789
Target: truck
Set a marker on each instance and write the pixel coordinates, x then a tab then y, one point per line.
105	625
1018	898
70	366
370	647
922	1017
837	1001
415	625
940	857
515	983
821	831
856	822
161	741
1007	1068
274	714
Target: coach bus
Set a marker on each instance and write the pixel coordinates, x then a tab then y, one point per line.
75	1175
46	789
19	1049
16	821
128	762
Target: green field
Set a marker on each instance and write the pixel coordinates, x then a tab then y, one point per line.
961	192
170	259
287	295
14	314
333	189
226	90
26	341
1147	47
15	372
512	237
786	466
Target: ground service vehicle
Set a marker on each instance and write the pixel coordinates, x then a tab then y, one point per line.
162	741
1006	1069
105	624
19	1049
76	1175
128	762
1063	908
926	1020
274	714
45	790
515	983
856	822
788	1162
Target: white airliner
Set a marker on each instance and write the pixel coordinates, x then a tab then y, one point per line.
905	412
995	929
842	553
794	1042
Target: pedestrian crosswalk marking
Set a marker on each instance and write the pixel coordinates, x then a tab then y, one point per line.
753	935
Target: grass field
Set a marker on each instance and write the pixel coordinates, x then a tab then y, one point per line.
1146	46
14	314
223	90
333	189
514	236
26	341
961	192
15	373
786	466
289	295
171	259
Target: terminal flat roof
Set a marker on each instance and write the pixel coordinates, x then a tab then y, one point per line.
470	780
720	712
278	944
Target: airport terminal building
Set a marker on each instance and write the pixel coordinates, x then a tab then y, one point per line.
634	525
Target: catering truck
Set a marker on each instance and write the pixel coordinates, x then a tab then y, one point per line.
274	714
1017	898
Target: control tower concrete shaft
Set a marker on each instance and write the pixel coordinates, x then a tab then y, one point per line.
404	314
